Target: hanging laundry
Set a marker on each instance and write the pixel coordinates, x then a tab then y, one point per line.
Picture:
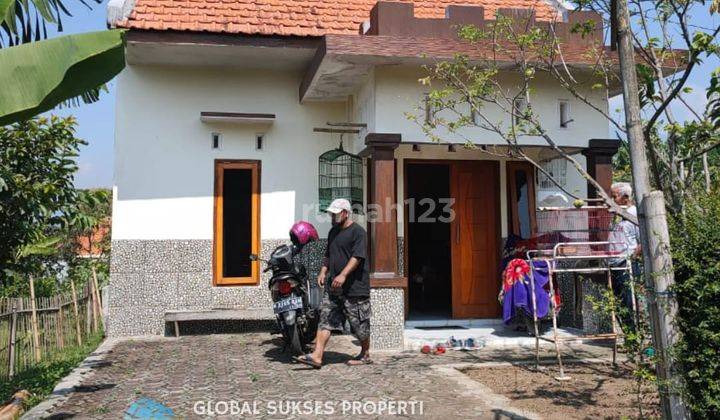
516	292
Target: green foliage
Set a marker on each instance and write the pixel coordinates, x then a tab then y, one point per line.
696	258
38	76
44	246
27	20
37	196
622	167
713	97
66	70
636	342
42	378
92	213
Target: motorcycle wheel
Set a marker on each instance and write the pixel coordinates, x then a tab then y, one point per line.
292	338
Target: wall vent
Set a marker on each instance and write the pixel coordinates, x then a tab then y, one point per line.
216	140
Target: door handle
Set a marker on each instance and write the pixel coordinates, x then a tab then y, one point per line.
457	231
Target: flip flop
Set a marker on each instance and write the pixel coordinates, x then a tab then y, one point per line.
359	361
306	359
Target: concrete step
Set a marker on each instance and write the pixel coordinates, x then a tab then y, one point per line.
465	323
489	336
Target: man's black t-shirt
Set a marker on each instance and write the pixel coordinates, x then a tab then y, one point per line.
344	244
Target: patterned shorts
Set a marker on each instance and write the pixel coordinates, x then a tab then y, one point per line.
335	309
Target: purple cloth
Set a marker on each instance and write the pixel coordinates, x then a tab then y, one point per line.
519	298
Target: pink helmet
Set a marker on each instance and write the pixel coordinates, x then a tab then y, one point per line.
303	232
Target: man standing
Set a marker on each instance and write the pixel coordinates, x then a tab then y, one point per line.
347	289
627	233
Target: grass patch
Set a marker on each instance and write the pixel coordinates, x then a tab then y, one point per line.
40	379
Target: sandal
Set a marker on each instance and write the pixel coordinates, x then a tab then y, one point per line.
358	360
306	359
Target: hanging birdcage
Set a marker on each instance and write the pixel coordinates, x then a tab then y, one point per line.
341	176
556	166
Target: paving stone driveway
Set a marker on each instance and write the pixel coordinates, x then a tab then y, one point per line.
252	367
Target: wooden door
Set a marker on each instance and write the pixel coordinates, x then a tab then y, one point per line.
475	245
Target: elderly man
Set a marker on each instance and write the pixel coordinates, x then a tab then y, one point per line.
627	233
347	289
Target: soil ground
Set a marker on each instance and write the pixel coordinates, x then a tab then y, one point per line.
252	368
596	390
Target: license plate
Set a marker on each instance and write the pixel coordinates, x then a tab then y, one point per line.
289	304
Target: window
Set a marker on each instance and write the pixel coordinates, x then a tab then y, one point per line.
521	199
564	113
237	222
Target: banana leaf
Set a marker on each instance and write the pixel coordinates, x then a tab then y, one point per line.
5	11
37	76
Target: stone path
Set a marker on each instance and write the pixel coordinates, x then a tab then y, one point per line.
250	370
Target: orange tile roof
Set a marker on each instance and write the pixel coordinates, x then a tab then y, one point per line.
91	245
291	17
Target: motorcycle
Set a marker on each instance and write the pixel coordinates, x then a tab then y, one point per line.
295	302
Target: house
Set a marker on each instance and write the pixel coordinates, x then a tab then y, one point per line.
94	245
224	109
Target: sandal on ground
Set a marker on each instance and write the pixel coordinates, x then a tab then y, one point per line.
306	359
359	360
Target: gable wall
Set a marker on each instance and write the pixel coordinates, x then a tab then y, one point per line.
164	177
398	91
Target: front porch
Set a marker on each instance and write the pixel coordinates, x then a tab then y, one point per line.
487	333
447	272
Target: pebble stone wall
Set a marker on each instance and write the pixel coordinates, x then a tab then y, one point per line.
150	277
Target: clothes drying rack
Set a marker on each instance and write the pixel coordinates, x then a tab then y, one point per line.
575	252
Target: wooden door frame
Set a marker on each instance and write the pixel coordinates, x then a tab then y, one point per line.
513	220
220	165
498	216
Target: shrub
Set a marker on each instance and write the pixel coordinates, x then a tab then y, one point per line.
695	239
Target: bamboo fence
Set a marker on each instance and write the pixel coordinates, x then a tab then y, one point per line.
34	330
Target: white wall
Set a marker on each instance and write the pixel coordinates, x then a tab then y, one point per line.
364	110
398	91
164	165
164	173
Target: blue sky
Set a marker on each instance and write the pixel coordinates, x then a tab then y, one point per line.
96	122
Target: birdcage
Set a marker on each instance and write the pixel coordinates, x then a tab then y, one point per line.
341	176
581	241
554	170
593	226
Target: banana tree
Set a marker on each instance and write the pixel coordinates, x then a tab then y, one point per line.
37	74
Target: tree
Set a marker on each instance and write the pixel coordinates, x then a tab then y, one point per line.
37	196
654	233
517	50
36	74
656	31
87	237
